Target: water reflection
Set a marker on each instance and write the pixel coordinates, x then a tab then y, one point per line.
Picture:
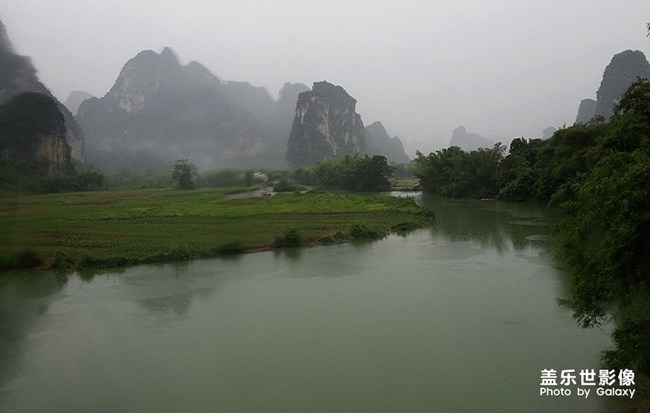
179	304
292	254
24	299
489	224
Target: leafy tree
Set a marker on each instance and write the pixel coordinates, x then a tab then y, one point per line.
354	173
184	174
630	127
455	173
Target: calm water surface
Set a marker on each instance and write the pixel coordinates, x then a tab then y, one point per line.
459	317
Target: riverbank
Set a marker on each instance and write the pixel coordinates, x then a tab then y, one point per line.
118	228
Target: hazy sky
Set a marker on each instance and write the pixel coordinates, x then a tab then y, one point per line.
498	67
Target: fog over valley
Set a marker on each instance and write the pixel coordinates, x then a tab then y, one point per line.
501	69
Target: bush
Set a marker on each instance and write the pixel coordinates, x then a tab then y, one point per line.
405	226
362	230
290	238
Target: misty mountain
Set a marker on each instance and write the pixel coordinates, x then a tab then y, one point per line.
378	142
74	100
623	70
159	111
586	111
469	141
548	132
17	75
325	126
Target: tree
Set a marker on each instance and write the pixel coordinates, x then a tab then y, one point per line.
458	174
354	173
184	174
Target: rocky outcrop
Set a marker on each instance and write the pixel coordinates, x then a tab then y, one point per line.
74	100
586	111
17	75
469	141
33	134
624	69
378	142
325	126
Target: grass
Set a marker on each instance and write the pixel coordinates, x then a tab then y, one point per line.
116	228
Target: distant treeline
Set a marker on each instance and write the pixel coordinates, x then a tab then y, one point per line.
533	170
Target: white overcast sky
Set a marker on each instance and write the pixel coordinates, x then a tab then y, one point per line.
499	67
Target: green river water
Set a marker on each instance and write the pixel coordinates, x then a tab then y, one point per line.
459	317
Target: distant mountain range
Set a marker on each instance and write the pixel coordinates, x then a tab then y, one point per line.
159	111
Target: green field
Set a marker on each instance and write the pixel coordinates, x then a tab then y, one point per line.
115	228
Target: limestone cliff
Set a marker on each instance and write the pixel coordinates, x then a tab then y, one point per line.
32	134
624	69
325	126
17	75
378	142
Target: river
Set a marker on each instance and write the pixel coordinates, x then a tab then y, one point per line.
459	317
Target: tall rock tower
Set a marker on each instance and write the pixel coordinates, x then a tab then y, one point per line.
325	126
624	69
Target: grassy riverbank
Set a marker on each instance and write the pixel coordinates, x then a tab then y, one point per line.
114	228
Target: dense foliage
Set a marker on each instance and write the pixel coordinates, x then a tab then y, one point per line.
534	169
354	173
455	173
608	234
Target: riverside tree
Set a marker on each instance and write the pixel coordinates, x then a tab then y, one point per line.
354	173
184	174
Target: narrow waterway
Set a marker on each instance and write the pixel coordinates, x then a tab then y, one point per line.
459	317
